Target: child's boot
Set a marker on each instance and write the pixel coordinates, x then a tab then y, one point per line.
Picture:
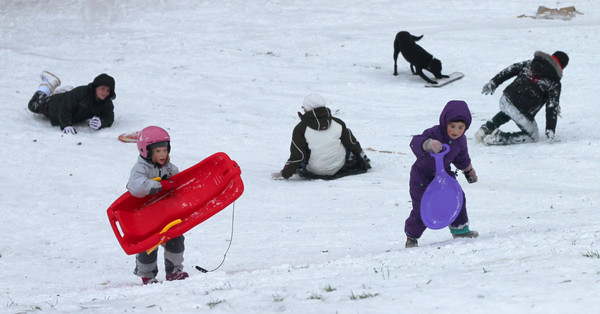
463	233
485	130
494	138
49	83
148	281
470	234
178	275
411	242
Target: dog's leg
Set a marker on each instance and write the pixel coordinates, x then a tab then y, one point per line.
396	62
423	76
412	69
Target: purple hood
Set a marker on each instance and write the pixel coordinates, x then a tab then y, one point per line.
455	110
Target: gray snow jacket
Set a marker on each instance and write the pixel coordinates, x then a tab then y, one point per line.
140	182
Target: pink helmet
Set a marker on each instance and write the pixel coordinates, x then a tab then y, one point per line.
152	135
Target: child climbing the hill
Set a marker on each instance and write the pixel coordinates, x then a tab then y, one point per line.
455	119
154	146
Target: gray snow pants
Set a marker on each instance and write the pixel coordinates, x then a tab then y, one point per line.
146	264
529	129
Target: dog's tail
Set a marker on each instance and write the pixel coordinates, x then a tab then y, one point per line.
416	38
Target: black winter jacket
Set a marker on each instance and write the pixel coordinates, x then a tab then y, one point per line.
537	83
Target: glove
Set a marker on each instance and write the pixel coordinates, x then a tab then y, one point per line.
366	159
69	130
432	145
95	123
489	88
277	176
167	185
549	136
471	175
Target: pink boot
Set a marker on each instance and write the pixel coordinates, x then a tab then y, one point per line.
178	275
148	281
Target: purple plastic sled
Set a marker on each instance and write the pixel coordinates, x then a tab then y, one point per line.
443	198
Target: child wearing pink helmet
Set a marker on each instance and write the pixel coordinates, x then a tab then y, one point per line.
154	146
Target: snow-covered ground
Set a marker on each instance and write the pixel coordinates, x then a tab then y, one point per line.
229	76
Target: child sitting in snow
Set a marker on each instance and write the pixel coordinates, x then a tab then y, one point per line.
322	147
73	105
154	145
455	119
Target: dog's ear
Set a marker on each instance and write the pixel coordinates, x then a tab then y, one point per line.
436	66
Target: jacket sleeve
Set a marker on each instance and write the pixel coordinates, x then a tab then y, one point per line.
416	144
553	107
68	105
509	72
139	185
107	116
298	151
348	140
462	160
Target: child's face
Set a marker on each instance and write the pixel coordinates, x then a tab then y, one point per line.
456	129
102	92
159	155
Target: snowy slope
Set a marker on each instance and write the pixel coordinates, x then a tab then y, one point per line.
229	76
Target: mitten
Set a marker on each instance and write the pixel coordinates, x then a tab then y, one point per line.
69	130
471	175
432	145
489	88
167	185
95	123
277	176
366	159
549	136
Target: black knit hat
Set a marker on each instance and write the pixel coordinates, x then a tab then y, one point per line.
106	80
562	58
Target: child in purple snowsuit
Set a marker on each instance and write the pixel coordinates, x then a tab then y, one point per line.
455	119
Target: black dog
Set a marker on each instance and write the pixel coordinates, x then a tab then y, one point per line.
418	57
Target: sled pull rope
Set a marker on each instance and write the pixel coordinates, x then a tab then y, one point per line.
229	246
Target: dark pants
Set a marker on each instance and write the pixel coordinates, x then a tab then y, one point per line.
146	265
39	103
354	165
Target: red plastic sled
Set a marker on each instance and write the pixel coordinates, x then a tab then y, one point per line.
141	224
130	137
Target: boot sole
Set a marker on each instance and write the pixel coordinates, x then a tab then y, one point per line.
48	74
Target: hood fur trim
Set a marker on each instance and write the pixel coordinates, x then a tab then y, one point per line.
550	60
